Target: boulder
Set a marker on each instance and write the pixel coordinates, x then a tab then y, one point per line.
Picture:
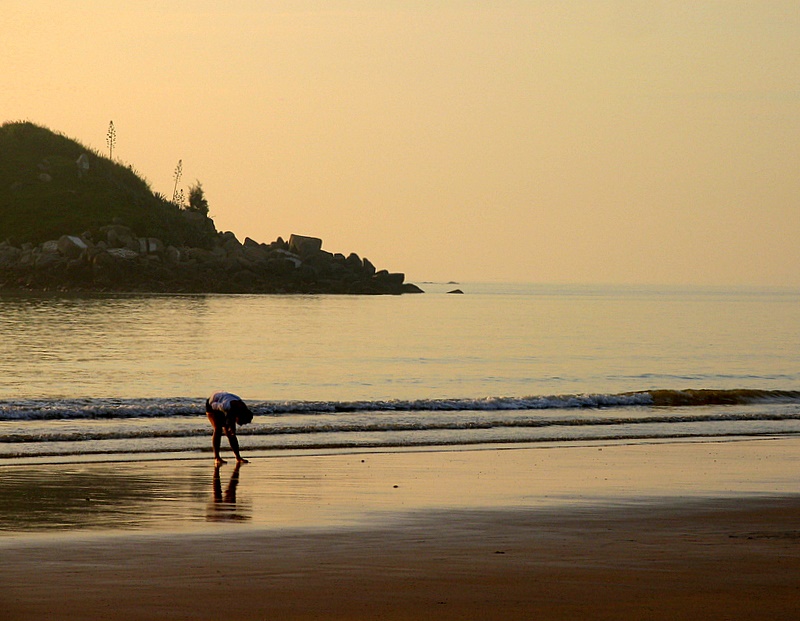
50	246
289	256
45	260
150	245
172	254
303	245
106	258
9	254
71	246
386	278
305	273
353	262
230	244
47	255
27	257
280	267
119	236
255	252
279	244
244	280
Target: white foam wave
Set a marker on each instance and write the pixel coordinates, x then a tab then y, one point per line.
167	408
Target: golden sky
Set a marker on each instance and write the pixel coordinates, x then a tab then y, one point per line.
594	141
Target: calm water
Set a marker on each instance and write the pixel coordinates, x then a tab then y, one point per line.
129	374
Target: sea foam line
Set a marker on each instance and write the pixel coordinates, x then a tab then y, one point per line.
44	409
273	427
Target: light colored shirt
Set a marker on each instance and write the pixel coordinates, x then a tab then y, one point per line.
221	401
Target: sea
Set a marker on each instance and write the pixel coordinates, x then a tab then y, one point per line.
125	377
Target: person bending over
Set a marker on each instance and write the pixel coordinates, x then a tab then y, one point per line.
224	410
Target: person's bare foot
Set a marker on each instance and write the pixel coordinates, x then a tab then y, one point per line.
219	461
242	460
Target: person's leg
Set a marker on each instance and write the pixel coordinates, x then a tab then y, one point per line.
234	442
216	440
216	437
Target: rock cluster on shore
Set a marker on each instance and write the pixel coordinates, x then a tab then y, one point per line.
114	259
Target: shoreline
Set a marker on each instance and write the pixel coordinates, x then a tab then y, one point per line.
660	531
202	455
332	488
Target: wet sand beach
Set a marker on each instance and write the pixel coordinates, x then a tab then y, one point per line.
672	530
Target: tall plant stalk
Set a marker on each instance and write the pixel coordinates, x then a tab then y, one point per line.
111	139
178	173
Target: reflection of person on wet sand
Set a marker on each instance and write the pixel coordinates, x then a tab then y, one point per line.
230	492
224	507
224	410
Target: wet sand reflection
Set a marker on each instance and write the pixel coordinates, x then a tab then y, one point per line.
224	507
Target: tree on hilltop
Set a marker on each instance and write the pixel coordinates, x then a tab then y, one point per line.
197	199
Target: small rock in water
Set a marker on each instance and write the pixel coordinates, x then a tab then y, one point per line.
456	291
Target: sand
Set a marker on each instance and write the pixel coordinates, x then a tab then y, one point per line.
660	531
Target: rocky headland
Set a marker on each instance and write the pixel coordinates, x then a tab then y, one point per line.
74	220
114	259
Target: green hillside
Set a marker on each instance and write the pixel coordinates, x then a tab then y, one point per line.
43	196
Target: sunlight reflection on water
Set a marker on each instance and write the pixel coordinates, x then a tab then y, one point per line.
490	342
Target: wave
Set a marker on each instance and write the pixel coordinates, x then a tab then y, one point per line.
82	427
395	426
54	409
700	397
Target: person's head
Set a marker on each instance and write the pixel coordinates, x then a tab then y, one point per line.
241	412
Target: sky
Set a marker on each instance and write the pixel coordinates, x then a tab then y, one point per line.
548	141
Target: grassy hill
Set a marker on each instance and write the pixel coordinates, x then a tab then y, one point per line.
42	196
